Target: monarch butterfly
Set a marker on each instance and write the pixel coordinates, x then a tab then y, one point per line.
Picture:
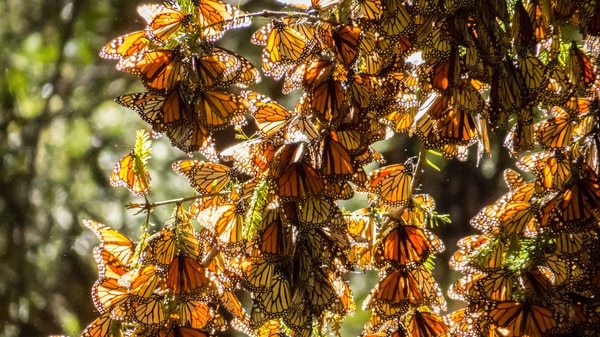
443	74
204	177
466	247
303	260
370	9
326	100
215	17
451	125
277	298
103	326
432	293
473	62
300	180
522	318
269	115
506	93
301	128
480	253
488	219
275	239
378	325
334	161
520	217
284	46
522	29
161	112
427	324
150	311
347	39
396	20
391	184
193	313
299	318
364	91
555	132
394	293
187	238
232	304
318	212
273	327
130	171
324	244
532	71
458	127
126	46
183	331
462	289
218	109
361	224
562	268
570	243
163	22
226	221
465	321
193	136
160	70
220	68
541	16
538	281
520	138
258	274
407	244
251	156
574	206
435	38
185	275
161	248
107	294
109	266
467	97
142	281
401	117
112	241
343	291
513	179
322	296
496	286
419	207
349	137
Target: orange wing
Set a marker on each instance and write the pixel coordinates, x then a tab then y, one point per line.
126	174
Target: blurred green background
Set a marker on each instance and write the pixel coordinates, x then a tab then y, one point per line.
61	134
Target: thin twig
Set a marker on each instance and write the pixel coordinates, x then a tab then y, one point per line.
270	13
148	206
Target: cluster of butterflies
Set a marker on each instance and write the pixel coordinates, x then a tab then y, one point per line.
161	286
186	75
270	220
532	270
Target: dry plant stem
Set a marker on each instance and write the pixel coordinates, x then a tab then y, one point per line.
149	206
282	14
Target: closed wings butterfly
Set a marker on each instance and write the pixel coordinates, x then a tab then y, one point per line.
204	177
